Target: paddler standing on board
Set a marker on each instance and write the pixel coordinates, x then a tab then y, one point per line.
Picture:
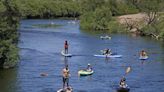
66	75
66	47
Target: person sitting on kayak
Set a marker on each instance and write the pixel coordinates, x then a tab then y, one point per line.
66	47
66	76
143	53
89	68
123	83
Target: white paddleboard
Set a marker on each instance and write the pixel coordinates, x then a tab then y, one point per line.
60	90
143	57
66	55
110	56
66	90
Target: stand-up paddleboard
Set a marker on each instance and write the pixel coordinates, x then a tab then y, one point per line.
143	57
110	56
68	89
85	72
66	55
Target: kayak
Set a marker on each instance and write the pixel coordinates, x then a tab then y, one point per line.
120	89
69	89
85	72
124	88
143	57
66	55
110	56
105	37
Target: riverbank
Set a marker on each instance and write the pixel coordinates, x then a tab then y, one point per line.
138	24
133	22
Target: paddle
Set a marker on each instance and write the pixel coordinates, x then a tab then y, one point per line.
128	69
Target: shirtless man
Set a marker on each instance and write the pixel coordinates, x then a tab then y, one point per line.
66	76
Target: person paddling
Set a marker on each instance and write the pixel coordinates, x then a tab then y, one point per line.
123	83
66	47
107	52
143	53
66	75
89	67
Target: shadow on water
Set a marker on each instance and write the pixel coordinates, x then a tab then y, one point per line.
8	80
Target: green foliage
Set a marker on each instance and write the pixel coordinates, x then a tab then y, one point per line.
48	8
103	16
125	8
2	7
9	22
162	35
97	20
87	21
115	27
97	14
159	26
70	8
155	30
90	5
150	5
8	53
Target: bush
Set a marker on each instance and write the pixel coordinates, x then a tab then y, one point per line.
155	30
162	35
97	20
87	21
8	34
8	53
124	8
115	27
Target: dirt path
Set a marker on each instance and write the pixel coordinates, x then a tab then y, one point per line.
133	21
132	17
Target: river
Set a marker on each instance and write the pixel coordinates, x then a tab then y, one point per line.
40	53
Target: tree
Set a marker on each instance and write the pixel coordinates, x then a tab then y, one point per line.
8	33
151	8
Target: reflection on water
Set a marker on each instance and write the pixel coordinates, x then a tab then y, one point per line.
8	80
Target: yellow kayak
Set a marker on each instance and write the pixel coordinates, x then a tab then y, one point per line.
85	72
